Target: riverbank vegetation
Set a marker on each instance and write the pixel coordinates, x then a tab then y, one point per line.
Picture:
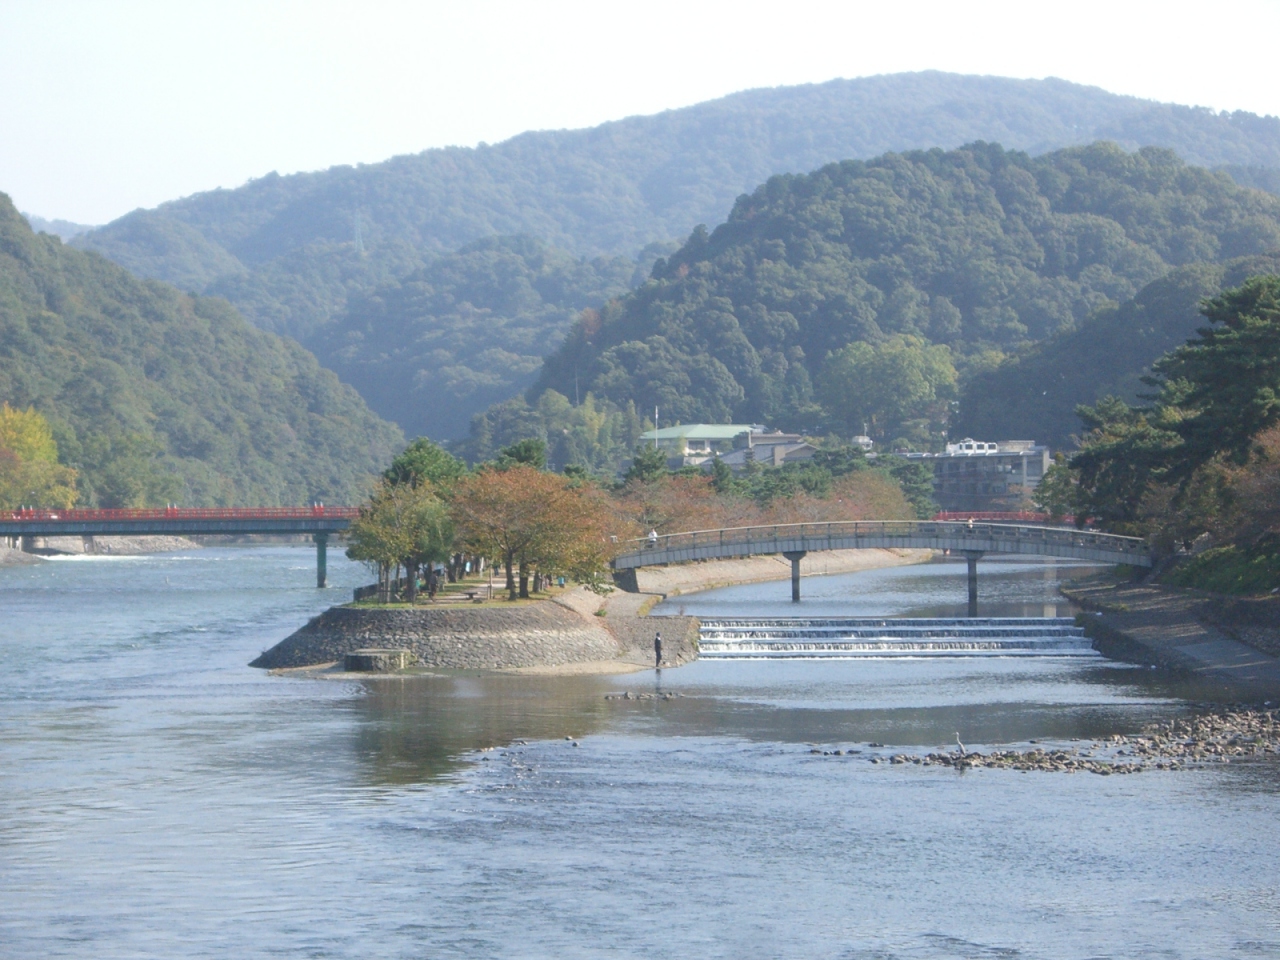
30	474
1199	463
432	516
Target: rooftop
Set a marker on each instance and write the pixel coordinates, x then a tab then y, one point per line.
702	431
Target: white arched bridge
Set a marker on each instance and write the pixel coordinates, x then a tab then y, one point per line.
794	540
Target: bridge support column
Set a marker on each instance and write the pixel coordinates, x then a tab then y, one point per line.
795	556
322	560
973	556
626	580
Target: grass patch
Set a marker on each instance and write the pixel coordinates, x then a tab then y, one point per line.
1232	569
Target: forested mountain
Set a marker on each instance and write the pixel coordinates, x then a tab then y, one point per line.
288	251
466	331
155	395
59	228
980	249
1036	394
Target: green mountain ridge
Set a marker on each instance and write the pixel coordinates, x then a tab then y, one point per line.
1036	395
468	330
612	189
156	395
981	249
320	256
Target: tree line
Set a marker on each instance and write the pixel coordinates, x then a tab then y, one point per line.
430	509
1201	456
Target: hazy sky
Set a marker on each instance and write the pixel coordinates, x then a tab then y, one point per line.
109	106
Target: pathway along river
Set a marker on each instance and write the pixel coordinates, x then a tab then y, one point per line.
161	799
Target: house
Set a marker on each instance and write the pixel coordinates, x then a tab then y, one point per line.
694	442
697	444
770	450
981	475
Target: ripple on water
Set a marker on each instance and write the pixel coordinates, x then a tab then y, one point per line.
162	799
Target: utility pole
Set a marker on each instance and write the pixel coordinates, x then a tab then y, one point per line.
655	427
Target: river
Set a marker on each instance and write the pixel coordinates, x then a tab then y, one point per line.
162	799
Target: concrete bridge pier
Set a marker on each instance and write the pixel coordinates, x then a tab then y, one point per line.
322	559
973	556
795	556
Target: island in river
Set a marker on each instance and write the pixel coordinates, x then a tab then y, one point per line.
573	632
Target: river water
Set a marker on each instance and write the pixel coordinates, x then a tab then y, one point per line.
158	798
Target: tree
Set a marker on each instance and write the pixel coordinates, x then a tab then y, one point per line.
886	385
648	464
721	476
530	452
1166	469
129	470
424	461
526	518
916	480
1124	457
1058	493
30	474
401	526
1228	379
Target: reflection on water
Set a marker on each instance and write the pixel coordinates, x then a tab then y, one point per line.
161	799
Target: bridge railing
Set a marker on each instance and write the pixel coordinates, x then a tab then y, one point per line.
794	535
1004	516
186	513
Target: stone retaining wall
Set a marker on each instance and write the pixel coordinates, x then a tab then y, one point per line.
480	637
1149	623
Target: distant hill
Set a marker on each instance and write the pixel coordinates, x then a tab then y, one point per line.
612	189
981	249
59	228
466	331
155	395
1035	395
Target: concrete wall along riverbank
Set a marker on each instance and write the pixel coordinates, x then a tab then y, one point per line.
545	633
1182	631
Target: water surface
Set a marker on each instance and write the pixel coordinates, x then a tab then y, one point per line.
158	798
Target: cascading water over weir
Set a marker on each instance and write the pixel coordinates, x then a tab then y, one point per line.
847	637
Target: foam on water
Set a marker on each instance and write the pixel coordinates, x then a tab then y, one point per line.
827	637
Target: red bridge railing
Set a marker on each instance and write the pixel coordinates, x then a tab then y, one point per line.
187	513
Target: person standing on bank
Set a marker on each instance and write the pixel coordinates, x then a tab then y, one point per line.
657	651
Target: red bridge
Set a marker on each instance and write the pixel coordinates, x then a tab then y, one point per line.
319	521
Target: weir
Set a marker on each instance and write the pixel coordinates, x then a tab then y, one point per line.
847	637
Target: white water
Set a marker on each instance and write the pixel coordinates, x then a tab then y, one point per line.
825	637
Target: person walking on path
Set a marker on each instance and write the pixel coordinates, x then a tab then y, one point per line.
657	651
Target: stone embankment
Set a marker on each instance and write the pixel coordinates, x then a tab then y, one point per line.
1189	633
12	558
626	618
481	637
1223	736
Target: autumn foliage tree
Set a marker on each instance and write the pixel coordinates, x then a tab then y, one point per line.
530	519
30	474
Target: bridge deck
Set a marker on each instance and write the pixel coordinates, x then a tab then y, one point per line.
1028	539
175	521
